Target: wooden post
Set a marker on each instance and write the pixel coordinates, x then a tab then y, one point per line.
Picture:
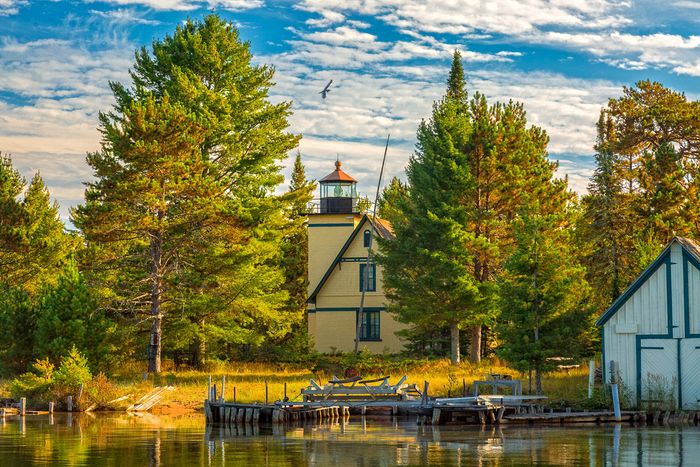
69	403
464	388
437	413
591	377
207	416
285	393
50	407
424	396
616	401
213	393
223	387
234	394
266	393
613	372
209	389
23	406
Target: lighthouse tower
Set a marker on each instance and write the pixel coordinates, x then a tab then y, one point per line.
339	237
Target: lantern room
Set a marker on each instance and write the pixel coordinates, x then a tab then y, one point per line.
338	192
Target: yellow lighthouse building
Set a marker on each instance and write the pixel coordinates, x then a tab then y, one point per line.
339	238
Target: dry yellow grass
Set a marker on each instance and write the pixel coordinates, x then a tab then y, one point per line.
250	380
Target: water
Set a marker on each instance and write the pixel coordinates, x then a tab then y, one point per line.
148	440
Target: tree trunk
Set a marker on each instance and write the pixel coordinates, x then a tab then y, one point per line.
154	346
454	343
475	351
538	381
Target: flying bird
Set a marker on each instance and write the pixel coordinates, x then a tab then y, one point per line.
326	90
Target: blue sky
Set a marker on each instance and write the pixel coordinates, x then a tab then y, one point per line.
388	59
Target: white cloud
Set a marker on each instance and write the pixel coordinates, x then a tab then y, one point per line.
124	16
188	5
691	5
328	18
467	16
11	7
235	5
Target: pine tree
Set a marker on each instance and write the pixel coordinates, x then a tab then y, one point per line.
68	317
12	220
229	277
608	220
17	326
34	246
48	246
543	296
150	201
475	166
427	265
295	246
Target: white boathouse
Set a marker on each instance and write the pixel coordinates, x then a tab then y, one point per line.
652	331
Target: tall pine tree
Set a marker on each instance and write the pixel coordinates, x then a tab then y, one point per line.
544	295
225	278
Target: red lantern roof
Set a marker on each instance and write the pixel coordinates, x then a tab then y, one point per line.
337	175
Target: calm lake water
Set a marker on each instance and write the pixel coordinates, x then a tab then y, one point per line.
149	440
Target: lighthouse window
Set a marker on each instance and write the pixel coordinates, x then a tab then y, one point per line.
366	238
371	277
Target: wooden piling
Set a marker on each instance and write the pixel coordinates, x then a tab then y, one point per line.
23	406
285	392
209	388
223	388
69	403
437	413
249	415
50	407
240	416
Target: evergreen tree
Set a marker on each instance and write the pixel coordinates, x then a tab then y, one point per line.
17	327
296	242
12	234
48	247
543	297
150	199
609	220
427	271
224	283
390	198
68	317
475	166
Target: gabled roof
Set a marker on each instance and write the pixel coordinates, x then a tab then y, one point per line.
381	226
688	245
337	175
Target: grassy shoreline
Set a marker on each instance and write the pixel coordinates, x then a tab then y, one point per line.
565	388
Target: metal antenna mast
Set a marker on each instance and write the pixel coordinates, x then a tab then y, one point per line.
365	276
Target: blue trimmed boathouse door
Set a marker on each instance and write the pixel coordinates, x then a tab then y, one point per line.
659	371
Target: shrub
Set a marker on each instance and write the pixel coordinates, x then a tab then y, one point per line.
73	371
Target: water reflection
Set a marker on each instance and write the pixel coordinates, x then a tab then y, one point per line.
120	439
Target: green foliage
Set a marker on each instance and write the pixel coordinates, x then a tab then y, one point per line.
46	383
36	384
475	166
18	321
34	246
295	243
646	184
73	371
68	317
544	295
183	205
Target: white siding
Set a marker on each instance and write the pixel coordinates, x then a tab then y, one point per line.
647	308
694	299
645	314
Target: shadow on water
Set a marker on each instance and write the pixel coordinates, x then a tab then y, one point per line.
121	439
